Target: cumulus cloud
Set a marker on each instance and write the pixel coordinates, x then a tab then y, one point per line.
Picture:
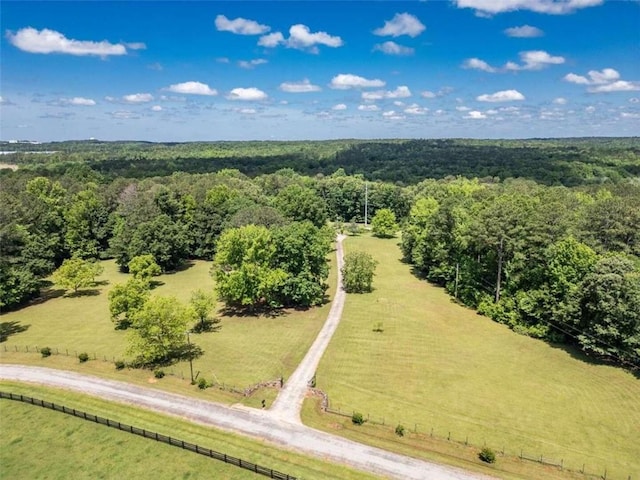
345	81
249	94
301	38
272	40
392	48
475	115
368	108
251	64
477	64
136	46
552	7
535	60
304	86
560	101
525	31
340	106
502	96
49	41
156	108
629	115
400	92
392	115
192	88
416	109
401	24
81	101
603	81
240	26
138	98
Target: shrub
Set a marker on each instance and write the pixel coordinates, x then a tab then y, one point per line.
120	364
158	373
83	357
357	418
400	430
45	352
378	327
202	383
487	455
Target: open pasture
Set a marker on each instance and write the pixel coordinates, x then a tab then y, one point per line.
439	365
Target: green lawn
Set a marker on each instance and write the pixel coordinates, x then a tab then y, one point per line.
245	351
30	434
439	365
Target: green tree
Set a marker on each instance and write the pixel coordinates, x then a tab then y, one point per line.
358	271
87	224
384	224
301	203
75	273
125	299
143	267
203	304
243	269
159	331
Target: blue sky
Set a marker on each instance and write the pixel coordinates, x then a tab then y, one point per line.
181	71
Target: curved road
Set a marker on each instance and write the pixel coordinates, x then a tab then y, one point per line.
280	425
288	404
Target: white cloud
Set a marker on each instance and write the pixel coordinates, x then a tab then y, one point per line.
535	60
247	111
560	101
553	7
368	108
81	101
222	60
240	26
392	48
477	64
475	115
427	94
304	86
462	109
250	64
192	88
603	81
401	24
340	106
49	41
502	96
590	109
124	115
301	37
138	98
416	109
619	86
250	94
400	92
525	31
272	40
156	108
634	100
345	81
392	115
629	115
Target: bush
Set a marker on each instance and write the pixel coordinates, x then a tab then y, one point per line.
400	430
120	364
202	383
83	357
357	418
45	352
158	373
378	327
487	455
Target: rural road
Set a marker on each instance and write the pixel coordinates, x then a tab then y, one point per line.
281	425
288	404
248	421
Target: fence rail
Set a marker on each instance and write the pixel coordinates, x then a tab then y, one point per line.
192	447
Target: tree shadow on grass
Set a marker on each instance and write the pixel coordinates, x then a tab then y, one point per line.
87	292
578	354
255	312
11	328
186	265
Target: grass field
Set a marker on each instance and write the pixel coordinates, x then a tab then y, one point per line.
246	350
86	450
439	365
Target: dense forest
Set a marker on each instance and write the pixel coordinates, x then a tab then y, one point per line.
553	252
566	162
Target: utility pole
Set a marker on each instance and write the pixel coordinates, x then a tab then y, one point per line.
190	353
366	202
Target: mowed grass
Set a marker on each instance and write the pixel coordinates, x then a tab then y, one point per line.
439	365
31	435
246	350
